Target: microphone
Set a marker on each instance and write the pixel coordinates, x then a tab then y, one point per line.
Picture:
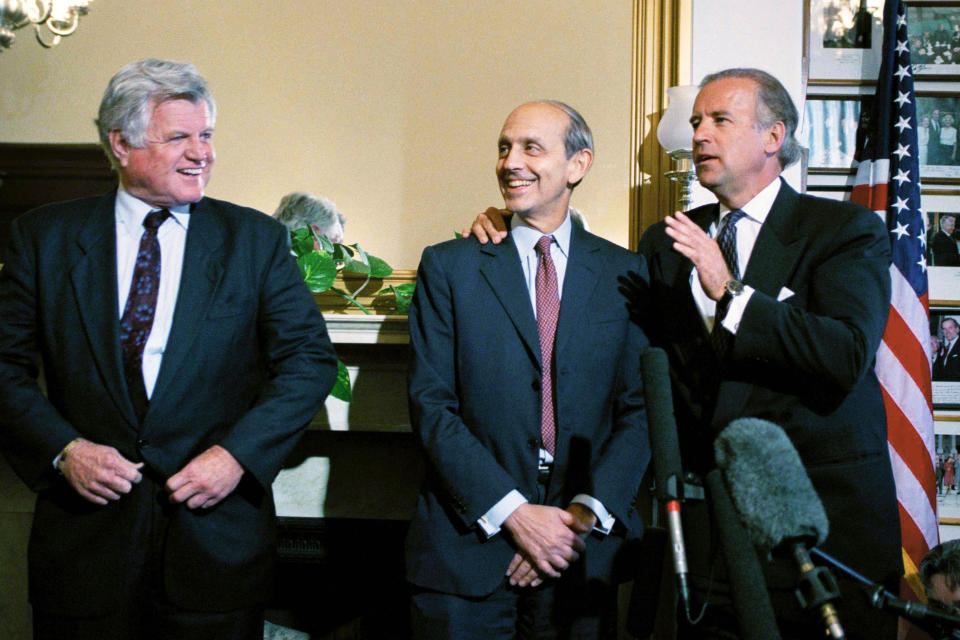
747	584
778	505
666	458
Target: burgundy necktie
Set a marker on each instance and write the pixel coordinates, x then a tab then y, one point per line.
548	309
137	319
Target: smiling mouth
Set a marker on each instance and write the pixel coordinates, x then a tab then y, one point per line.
515	183
191	172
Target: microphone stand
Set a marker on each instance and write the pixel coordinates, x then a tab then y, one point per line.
936	622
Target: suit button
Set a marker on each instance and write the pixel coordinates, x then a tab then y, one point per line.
535	384
143	443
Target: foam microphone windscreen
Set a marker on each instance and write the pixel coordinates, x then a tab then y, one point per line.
662	423
768	485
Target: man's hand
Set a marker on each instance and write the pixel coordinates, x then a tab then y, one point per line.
584	519
703	251
206	480
489	225
521	571
545	538
98	472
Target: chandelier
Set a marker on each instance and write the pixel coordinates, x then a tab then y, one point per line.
52	19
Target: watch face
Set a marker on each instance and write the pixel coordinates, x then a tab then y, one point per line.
735	287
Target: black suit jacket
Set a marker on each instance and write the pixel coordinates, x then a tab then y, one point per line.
945	251
247	364
804	362
474	387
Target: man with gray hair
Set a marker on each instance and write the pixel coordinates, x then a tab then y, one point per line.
182	356
772	304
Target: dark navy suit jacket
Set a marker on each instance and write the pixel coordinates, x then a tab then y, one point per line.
805	363
247	365
474	388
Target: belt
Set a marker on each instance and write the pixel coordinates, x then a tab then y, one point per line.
543	473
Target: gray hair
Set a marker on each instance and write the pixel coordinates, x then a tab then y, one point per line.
942	559
773	105
136	89
299	210
578	135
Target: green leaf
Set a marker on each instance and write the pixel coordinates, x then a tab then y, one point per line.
341	388
402	296
342	253
301	241
356	266
378	267
318	270
325	244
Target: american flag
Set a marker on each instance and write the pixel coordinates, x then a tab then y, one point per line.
888	182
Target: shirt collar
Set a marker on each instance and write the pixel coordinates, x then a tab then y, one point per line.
759	207
131	211
526	237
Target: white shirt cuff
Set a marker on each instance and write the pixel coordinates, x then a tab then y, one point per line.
605	519
731	321
493	519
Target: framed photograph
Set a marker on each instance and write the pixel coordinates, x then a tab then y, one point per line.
842	41
934	29
945	357
943	239
937	116
834	126
946	429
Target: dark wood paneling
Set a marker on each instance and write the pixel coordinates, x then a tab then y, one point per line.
36	174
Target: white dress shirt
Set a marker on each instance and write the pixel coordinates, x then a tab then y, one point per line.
172	234
748	228
525	240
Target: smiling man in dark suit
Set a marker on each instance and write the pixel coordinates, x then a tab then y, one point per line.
182	356
784	328
525	392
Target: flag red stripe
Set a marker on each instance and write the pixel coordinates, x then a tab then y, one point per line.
873	197
903	343
903	436
913	541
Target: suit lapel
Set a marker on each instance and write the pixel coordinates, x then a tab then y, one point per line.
203	269
94	280
578	285
772	260
503	273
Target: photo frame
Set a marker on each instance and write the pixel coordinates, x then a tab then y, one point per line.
833	127
934	29
946	429
945	364
841	44
943	277
938	118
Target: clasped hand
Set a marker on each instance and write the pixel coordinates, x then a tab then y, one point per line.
548	539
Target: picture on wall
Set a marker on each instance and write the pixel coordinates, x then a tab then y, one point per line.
937	117
843	40
943	240
934	29
834	126
945	357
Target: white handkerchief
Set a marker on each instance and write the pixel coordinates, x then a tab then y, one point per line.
784	294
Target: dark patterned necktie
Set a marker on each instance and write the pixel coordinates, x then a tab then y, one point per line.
548	310
137	319
727	239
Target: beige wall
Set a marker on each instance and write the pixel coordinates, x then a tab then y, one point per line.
391	109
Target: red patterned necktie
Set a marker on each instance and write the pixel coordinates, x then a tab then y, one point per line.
548	309
137	319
